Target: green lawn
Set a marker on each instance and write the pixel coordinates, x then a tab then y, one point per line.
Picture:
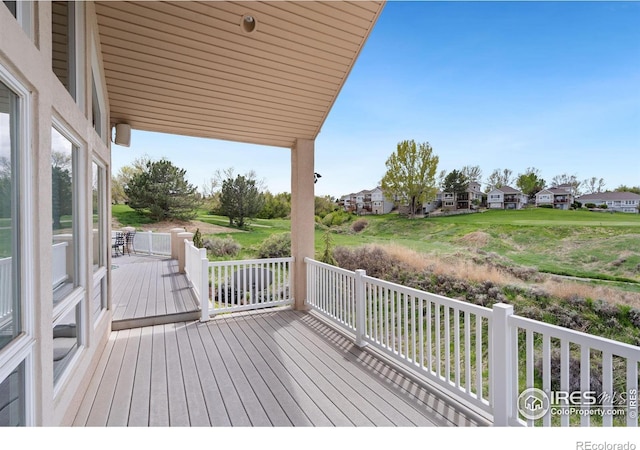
585	244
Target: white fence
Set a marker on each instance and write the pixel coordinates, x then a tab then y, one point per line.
473	353
150	243
231	286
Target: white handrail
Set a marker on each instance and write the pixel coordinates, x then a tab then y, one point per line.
231	286
469	351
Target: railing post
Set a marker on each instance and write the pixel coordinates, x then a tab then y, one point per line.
150	242
500	374
360	308
204	286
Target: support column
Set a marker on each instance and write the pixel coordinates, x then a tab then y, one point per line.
302	215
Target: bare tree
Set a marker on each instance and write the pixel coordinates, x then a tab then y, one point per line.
593	185
499	178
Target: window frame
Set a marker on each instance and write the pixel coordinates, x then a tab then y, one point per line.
21	348
77	298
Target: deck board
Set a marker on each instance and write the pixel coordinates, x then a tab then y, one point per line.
149	286
273	368
140	395
158	395
392	407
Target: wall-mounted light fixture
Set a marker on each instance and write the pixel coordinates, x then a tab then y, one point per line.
316	175
123	134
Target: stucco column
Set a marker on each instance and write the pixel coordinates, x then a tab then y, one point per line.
302	215
181	253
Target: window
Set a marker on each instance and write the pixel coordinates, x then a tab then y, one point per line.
63	37
16	271
67	299
13	8
99	246
12	398
10	305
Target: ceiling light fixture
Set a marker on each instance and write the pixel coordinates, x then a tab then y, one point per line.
248	23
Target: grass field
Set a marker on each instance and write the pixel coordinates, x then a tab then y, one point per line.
584	244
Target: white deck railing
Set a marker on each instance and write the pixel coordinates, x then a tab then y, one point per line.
232	286
472	352
59	268
150	242
59	276
6	283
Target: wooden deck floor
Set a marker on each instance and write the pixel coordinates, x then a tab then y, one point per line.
276	368
149	286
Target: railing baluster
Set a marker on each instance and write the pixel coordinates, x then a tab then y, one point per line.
632	393
447	344
529	365
429	343
456	354
421	331
546	373
438	343
467	351
478	356
564	377
607	388
585	381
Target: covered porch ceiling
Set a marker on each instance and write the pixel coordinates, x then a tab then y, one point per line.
201	69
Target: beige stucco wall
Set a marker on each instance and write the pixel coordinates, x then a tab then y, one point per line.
31	66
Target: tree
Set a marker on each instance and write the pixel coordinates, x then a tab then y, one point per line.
498	179
240	199
565	179
125	174
162	190
530	182
624	188
61	187
593	185
276	206
455	182
472	173
410	175
324	205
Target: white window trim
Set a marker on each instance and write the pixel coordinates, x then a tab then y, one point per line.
21	349
79	295
96	78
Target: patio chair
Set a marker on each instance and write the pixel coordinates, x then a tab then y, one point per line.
128	242
118	244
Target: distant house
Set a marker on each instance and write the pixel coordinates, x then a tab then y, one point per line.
560	197
379	203
366	202
506	197
432	205
463	200
616	201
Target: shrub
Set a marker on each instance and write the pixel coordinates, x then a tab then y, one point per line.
327	254
359	225
336	218
589	205
276	246
197	239
603	206
546	206
222	246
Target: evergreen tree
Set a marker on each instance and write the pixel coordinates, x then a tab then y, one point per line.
162	190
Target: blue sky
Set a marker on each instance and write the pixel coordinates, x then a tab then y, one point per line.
551	85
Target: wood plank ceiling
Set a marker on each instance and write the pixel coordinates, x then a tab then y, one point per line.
192	68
